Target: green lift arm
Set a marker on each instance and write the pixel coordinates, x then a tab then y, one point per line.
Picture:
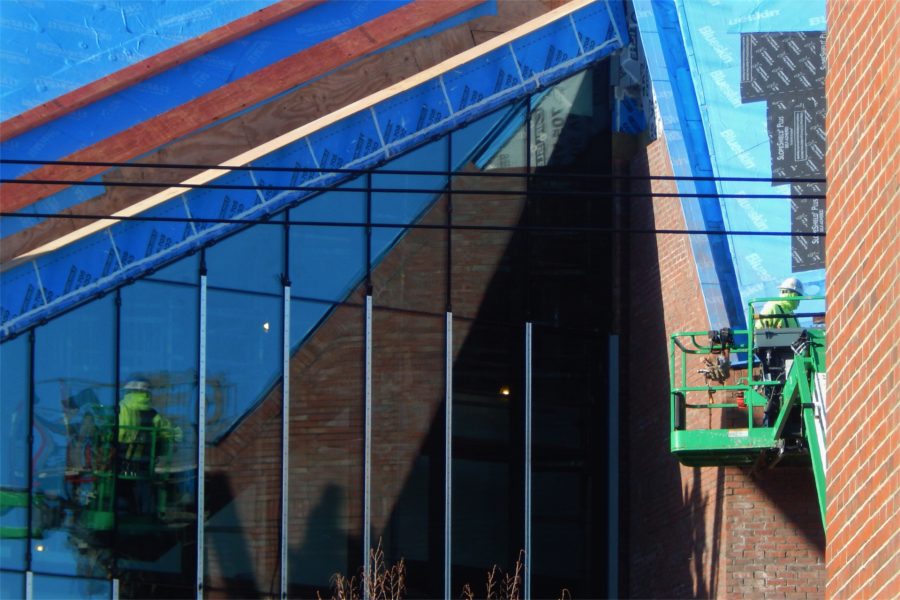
733	431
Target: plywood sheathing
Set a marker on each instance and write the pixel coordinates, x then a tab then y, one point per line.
154	65
323	96
239	95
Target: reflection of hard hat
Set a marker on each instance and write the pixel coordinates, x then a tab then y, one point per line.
137	385
792	284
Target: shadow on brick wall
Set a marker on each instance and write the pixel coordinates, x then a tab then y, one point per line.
675	519
700	532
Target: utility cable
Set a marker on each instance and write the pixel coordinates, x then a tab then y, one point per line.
267	220
536	175
434	191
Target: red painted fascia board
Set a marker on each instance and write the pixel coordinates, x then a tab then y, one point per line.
163	61
238	95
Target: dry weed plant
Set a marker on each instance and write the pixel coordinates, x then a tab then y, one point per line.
389	582
506	586
500	585
383	582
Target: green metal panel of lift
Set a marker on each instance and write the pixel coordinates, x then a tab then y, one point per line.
97	513
748	445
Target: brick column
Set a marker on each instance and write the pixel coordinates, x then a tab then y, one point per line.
863	555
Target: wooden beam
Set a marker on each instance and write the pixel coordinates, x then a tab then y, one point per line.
239	95
312	127
154	65
305	103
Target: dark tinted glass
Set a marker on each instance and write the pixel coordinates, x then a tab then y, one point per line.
489	292
327	266
73	485
326	448
156	491
243	421
408	337
14	375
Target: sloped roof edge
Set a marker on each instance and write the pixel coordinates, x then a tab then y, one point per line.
455	92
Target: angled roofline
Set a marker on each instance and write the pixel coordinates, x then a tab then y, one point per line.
308	129
363	134
236	96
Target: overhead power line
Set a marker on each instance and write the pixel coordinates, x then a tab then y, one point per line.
380	171
268	220
405	190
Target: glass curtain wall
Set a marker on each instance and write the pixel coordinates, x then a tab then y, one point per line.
327	384
157	486
409	283
570	305
116	496
72	517
14	392
488	296
244	366
48	587
12	584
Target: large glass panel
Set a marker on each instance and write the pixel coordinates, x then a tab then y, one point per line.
157	514
243	420
569	462
467	139
14	375
47	587
488	399
326	395
397	207
570	289
408	337
73	450
489	293
326	261
12	585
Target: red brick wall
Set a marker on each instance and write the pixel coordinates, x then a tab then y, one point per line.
710	531
864	332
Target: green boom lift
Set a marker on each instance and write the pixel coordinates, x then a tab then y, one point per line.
761	399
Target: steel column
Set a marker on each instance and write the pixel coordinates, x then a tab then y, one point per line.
448	451
528	423
367	460
201	426
612	457
285	431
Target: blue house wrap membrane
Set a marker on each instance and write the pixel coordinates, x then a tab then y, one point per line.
363	140
755	65
51	48
701	65
180	84
669	70
118	112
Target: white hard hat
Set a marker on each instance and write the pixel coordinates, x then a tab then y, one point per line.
792	284
137	385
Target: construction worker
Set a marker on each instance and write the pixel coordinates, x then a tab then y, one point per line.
779	314
143	433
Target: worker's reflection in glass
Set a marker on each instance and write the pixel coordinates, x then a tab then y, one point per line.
144	437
